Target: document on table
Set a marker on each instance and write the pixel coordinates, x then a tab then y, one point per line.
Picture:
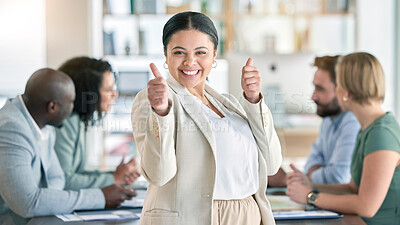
137	201
100	215
283	203
123	213
302	214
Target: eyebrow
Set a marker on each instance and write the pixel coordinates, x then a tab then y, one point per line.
179	47
318	86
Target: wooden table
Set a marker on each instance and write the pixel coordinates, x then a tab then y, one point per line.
346	220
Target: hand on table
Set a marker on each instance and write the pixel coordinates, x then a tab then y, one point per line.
126	173
297	176
116	194
298	186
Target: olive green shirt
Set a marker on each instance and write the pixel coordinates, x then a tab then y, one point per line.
382	134
72	153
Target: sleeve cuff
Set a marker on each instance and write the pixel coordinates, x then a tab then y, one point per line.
252	107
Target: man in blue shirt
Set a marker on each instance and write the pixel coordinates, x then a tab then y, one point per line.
330	156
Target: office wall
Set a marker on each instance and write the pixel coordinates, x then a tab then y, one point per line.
376	35
68	30
40	33
286	79
397	58
22	43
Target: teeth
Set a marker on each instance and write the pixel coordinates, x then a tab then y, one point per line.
193	72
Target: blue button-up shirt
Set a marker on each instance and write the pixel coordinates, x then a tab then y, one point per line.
333	149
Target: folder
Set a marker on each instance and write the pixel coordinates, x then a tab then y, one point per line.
303	214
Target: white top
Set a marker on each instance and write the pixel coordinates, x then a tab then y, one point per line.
236	154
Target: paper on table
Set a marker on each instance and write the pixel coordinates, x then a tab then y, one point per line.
69	217
136	201
302	214
283	203
99	215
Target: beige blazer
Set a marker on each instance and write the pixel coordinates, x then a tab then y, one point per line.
177	156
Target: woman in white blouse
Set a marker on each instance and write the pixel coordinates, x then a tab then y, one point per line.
206	155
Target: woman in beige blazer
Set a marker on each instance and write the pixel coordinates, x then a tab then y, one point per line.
206	155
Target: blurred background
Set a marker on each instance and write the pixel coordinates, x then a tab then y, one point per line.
283	37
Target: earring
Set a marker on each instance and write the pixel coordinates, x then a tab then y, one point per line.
345	99
165	65
214	65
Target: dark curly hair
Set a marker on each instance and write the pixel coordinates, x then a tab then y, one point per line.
87	75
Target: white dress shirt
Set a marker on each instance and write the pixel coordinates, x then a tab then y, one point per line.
236	155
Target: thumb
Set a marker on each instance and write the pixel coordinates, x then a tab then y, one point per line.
249	62
294	168
155	71
132	161
122	161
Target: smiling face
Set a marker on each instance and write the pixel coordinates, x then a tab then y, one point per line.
190	55
107	91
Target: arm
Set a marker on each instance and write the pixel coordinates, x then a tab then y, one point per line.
21	182
277	180
378	169
315	159
260	118
55	174
262	126
70	152
300	181
337	166
339	189
312	169
154	137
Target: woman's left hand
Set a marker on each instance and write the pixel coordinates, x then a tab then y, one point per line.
251	82
297	176
298	192
126	173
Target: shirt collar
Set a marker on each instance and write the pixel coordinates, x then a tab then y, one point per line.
43	133
336	121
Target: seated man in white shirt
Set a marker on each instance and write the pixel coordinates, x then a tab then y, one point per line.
330	156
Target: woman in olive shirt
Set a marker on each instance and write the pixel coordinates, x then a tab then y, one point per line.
373	193
95	92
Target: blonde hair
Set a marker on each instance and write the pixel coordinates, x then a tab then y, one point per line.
362	76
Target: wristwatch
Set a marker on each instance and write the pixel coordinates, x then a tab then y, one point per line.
312	197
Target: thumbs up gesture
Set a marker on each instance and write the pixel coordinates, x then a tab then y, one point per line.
297	176
251	82
157	92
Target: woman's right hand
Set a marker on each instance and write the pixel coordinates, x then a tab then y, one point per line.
157	92
297	176
126	173
298	192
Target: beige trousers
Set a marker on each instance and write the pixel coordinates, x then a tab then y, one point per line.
236	212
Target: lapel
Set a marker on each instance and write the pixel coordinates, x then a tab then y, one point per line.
37	143
237	108
186	100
